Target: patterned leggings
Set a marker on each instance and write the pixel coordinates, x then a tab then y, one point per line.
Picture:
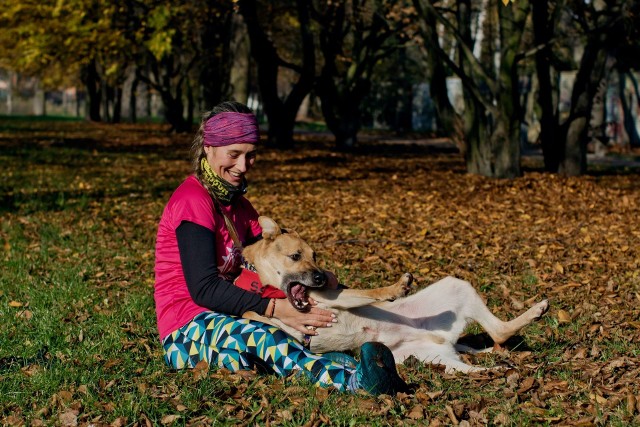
235	343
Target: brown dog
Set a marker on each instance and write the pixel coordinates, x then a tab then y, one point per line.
426	325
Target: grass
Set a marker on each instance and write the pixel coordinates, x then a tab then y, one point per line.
79	344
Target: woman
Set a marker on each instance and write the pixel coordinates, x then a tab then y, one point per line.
198	254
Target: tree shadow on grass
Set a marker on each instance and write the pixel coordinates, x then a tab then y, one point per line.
59	200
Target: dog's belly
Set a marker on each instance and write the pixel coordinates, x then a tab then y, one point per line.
364	324
347	334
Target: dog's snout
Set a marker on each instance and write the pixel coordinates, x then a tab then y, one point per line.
319	278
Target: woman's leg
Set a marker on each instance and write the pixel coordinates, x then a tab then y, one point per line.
235	343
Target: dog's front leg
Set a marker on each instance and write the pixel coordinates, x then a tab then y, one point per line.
352	298
398	290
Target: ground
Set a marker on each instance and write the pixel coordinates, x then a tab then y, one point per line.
79	206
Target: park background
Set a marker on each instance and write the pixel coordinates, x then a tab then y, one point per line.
492	141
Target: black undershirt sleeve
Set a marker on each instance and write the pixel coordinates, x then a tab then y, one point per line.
198	257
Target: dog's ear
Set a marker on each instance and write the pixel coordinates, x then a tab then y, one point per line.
290	231
270	229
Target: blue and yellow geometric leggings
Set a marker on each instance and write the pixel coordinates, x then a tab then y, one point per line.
235	343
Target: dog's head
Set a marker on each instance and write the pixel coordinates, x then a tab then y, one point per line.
285	261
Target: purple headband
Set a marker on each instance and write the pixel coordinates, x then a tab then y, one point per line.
231	128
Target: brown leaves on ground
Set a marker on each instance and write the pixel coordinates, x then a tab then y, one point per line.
374	214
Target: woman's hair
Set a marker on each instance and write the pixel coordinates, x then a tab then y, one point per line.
197	147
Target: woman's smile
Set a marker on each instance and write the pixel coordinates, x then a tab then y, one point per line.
232	162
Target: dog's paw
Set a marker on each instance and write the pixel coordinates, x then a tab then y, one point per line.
538	310
401	288
406	282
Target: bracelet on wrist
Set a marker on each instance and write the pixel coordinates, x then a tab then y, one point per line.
269	313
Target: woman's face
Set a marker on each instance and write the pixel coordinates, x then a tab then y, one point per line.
231	162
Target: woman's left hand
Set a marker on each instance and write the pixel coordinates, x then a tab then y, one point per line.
315	317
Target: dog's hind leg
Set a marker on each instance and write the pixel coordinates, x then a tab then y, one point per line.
505	330
475	309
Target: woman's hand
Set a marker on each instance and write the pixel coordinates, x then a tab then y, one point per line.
316	317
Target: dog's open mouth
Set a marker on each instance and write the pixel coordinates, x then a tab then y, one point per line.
297	294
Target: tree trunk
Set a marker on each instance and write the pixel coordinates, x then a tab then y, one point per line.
341	111
215	65
448	121
593	67
174	111
167	79
148	101
491	151
133	99
91	80
117	104
280	114
478	154
543	33
629	120
494	135
11	84
106	94
344	124
190	102
39	100
597	125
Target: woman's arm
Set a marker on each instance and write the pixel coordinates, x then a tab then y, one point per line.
198	257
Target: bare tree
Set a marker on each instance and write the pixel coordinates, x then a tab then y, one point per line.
491	88
281	110
355	36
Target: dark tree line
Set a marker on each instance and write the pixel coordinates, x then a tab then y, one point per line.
341	53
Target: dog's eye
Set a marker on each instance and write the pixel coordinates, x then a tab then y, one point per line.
295	257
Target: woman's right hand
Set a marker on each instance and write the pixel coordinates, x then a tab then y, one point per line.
316	317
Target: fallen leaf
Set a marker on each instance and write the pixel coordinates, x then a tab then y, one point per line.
285	414
13	420
526	385
65	396
451	414
322	394
581	353
502	419
631	404
563	317
201	370
25	314
416	413
68	418
169	419
119	422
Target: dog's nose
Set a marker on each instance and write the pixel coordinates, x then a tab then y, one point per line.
319	278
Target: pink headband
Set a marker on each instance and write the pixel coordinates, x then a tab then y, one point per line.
231	128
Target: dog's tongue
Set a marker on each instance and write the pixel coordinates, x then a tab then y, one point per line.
298	292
